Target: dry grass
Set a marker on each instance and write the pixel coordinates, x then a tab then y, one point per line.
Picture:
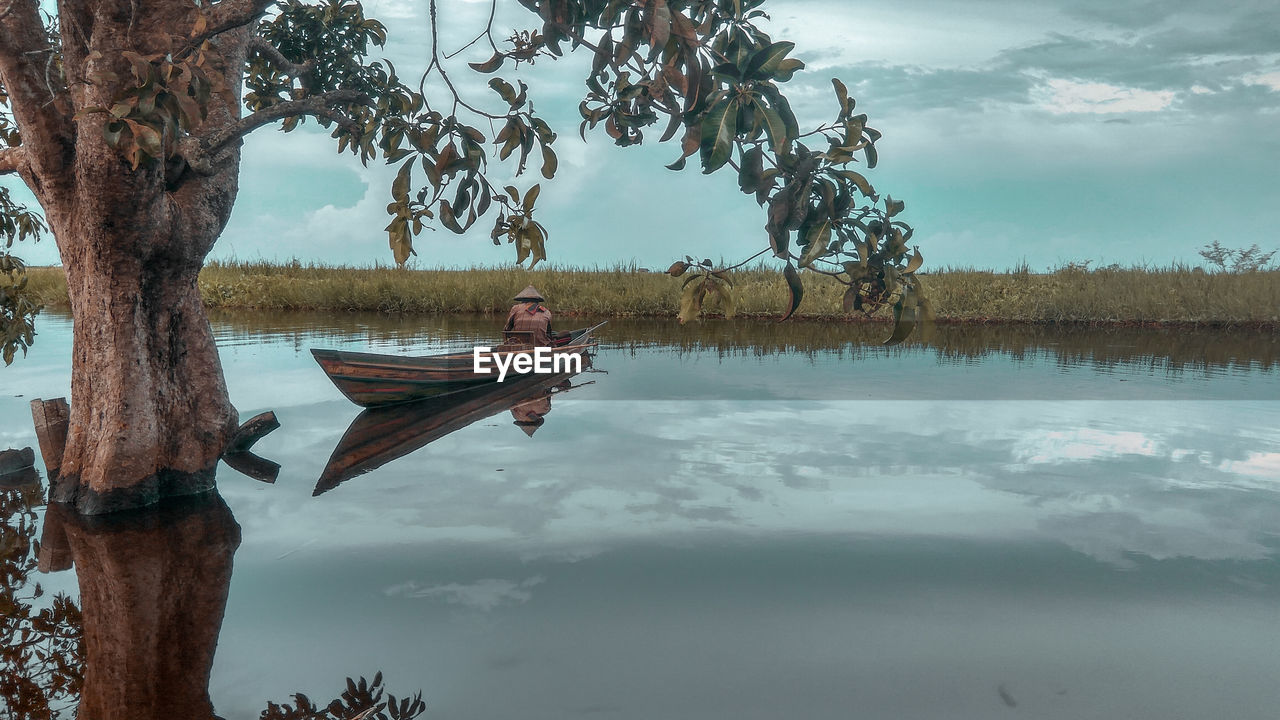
1068	295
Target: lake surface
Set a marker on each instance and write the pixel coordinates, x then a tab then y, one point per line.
746	520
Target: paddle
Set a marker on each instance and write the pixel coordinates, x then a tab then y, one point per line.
582	339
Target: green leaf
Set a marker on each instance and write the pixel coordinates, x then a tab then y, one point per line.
489	65
400	187
504	89
123	108
904	317
718	132
111	132
672	126
783	106
818	237
893	207
890	280
522	246
401	245
728	72
774	127
764	62
777	226
915	262
795	287
448	219
872	155
857	270
603	54
859	180
499	229
659	21
691	299
750	171
786	69
842	95
549	162
537	243
147	137
723	297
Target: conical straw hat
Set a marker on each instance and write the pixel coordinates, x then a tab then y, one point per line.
529	426
529	293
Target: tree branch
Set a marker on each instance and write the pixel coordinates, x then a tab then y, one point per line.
486	33
38	100
439	68
744	262
317	106
231	14
12	160
271	52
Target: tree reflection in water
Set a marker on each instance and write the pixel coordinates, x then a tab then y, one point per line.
41	652
153	591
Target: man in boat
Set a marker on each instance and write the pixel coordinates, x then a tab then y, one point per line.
530	414
531	319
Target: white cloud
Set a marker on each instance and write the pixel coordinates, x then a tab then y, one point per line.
1263	465
484	595
828	34
393	9
1061	96
1270	79
1083	444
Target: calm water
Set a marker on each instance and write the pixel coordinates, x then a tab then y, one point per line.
750	521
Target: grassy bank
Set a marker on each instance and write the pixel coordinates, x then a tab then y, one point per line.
1175	295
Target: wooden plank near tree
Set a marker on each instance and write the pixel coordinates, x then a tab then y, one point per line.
12	461
55	550
253	430
51	418
258	468
26	477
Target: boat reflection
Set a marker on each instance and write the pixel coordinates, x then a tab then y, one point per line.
379	435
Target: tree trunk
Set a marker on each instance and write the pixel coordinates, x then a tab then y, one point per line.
149	408
150	413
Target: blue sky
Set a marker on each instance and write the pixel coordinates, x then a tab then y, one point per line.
1048	132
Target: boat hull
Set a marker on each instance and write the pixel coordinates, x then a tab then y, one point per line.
373	380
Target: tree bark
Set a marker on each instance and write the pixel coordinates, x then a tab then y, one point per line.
149	407
150	413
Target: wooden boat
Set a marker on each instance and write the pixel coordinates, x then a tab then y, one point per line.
372	379
382	434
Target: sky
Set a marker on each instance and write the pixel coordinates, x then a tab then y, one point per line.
1130	132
